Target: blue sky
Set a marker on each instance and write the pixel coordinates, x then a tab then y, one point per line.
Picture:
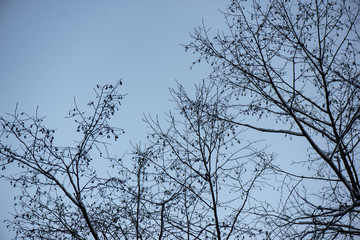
53	50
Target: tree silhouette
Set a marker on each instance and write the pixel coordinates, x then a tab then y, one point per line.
287	67
295	63
193	180
59	186
207	168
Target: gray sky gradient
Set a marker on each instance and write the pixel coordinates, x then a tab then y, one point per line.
53	50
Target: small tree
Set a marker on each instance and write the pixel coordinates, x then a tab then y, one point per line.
297	63
61	193
207	171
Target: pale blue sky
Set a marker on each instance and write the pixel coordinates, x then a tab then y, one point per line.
52	50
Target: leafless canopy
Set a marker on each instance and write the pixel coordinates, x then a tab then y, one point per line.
292	63
297	62
193	180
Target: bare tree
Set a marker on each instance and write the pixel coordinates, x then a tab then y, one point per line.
61	196
195	179
205	168
291	62
296	63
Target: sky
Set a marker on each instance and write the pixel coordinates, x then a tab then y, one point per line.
54	50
